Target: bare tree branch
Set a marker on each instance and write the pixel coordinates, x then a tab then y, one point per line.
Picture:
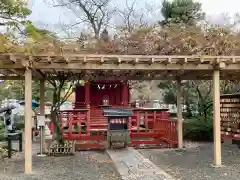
95	13
132	17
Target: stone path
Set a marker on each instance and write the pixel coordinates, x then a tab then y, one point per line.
134	166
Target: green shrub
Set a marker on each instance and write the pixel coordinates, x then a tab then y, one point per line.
174	114
198	130
2	134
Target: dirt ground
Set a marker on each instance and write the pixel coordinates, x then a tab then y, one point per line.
195	163
82	166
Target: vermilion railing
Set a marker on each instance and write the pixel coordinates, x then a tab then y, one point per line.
152	128
79	105
145	128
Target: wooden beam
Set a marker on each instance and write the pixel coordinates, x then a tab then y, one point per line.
183	61
13	59
135	61
12	78
102	60
11	66
84	59
123	66
216	118
75	61
28	121
127	77
230	67
18	78
179	114
49	60
16	72
66	60
119	60
78	57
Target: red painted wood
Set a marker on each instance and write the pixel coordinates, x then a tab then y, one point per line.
93	131
79	105
124	93
80	95
90	146
92	94
158	129
87	93
85	137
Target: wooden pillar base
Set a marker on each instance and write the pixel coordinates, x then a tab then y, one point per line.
214	166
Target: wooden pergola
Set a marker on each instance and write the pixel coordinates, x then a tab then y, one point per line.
19	66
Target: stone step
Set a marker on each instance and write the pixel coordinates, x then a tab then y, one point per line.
134	166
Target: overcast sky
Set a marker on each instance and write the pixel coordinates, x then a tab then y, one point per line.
49	17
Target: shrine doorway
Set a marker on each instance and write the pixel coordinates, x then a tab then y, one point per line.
105	94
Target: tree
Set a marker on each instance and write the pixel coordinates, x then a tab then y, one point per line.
37	34
104	35
15	90
169	91
95	13
187	12
131	18
59	86
13	14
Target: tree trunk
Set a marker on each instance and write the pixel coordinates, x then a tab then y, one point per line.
58	134
188	108
205	115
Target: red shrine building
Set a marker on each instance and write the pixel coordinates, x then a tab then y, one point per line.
99	94
150	126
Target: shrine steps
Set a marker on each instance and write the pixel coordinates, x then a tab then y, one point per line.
97	119
96	139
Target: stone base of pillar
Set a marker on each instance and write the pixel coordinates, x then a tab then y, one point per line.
219	166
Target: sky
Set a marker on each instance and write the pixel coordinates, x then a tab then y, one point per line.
52	18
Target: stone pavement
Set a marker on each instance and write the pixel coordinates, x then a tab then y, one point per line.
132	165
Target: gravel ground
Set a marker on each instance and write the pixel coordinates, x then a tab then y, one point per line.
195	163
89	165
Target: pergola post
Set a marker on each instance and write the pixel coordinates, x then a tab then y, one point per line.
216	118
28	121
42	89
179	114
42	112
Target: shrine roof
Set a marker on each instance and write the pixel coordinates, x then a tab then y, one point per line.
118	67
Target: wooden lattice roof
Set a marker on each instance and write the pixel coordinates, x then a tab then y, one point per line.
132	67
